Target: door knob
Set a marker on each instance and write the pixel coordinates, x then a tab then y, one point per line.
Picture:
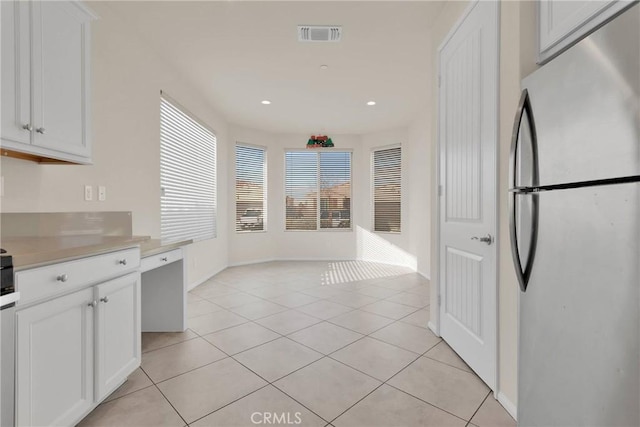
104	299
27	127
488	239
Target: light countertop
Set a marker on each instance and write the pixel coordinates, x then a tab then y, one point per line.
29	252
156	246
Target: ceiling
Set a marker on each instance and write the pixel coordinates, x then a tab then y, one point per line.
238	53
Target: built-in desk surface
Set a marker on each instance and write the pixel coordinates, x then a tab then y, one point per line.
157	246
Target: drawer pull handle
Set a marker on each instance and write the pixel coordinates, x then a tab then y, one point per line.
92	304
62	278
165	259
40	130
27	127
104	299
122	261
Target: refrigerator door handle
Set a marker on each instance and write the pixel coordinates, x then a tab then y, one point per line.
523	272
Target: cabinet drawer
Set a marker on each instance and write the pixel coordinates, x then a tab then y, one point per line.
45	282
158	260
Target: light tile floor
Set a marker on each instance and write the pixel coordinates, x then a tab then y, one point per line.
303	343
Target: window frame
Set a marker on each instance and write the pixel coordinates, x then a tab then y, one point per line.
265	221
318	207
373	189
177	105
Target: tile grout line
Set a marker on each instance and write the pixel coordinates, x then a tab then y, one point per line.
390	385
269	383
352	309
480	406
165	397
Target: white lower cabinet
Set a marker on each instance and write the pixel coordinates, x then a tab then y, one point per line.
54	363
118	346
72	351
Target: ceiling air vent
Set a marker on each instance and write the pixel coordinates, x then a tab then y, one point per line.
319	33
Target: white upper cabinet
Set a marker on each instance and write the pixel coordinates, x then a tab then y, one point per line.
45	66
16	72
561	23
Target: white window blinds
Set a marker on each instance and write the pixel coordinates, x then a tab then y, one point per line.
187	176
335	190
301	190
387	190
318	190
251	194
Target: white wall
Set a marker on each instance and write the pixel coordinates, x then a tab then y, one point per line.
127	78
391	248
419	176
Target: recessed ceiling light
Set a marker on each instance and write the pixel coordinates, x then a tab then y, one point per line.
324	67
266	102
371	103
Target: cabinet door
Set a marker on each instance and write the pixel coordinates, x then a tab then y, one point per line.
562	22
118	333
16	71
54	361
60	68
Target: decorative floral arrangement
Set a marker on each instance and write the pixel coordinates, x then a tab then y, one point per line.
316	141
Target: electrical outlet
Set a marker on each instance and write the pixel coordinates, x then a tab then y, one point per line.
88	193
102	193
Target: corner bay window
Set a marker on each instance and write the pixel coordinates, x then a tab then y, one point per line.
318	190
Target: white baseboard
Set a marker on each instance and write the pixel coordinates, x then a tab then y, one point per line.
257	261
204	279
508	405
433	328
425	275
315	259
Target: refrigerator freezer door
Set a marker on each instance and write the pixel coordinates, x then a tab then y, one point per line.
579	353
586	105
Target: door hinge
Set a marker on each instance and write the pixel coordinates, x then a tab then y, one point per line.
439	300
439	190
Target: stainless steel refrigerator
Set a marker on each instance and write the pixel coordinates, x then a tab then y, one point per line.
575	231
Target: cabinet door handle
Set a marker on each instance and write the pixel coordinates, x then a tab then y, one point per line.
27	127
92	304
122	261
165	259
62	278
104	299
40	130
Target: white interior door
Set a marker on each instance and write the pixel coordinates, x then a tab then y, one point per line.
468	61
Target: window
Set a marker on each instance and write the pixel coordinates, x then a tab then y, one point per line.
187	176
251	193
318	190
387	191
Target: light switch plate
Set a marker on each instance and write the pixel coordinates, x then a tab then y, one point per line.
88	193
102	193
